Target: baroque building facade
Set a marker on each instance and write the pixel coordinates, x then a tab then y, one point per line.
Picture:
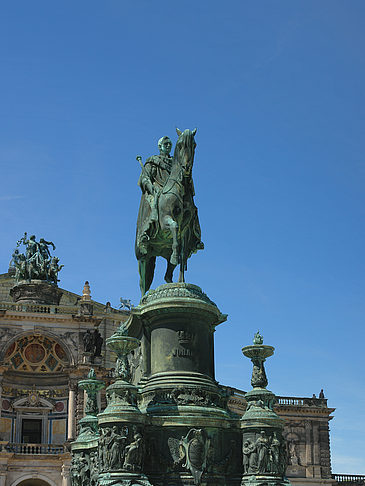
47	348
42	358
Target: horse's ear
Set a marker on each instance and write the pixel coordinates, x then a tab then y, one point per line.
194	132
179	132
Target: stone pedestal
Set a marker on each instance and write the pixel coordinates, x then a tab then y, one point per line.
190	436
36	292
178	323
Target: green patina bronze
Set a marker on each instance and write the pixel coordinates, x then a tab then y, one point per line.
168	223
121	447
167	420
89	424
37	262
263	445
83	470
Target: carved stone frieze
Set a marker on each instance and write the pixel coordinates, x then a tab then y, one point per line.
121	448
80	469
180	396
264	453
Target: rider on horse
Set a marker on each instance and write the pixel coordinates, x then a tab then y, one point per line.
152	179
152	182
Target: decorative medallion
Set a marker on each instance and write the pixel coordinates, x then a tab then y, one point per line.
36	354
59	407
33	397
6	405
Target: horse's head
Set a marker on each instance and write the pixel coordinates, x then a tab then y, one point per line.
184	150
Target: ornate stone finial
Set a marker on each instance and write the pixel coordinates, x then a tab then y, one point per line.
263	445
258	339
91	385
122	344
258	353
86	294
91	375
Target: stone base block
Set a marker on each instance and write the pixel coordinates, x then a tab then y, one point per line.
36	292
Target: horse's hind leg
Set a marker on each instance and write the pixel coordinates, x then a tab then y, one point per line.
169	271
183	265
142	276
181	274
150	271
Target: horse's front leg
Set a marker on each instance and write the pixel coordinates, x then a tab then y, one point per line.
146	268
172	225
182	260
182	274
169	272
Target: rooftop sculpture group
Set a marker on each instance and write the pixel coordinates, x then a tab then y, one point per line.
37	262
168	223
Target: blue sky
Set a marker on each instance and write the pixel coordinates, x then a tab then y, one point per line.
276	90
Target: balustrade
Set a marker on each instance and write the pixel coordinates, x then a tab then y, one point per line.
35	448
349	478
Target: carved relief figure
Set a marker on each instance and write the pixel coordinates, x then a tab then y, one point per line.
75	471
293	458
275	454
116	444
94	468
104	447
134	453
249	457
262	444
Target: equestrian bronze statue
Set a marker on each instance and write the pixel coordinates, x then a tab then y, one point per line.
168	224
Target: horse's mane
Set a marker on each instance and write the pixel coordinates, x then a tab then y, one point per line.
176	174
182	141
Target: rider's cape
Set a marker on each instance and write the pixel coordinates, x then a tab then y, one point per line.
155	172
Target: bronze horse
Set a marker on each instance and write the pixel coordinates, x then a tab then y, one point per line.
175	234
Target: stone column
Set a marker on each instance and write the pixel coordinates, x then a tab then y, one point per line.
316	454
71	411
2	370
65	475
308	448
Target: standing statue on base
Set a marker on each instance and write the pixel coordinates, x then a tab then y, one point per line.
168	223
